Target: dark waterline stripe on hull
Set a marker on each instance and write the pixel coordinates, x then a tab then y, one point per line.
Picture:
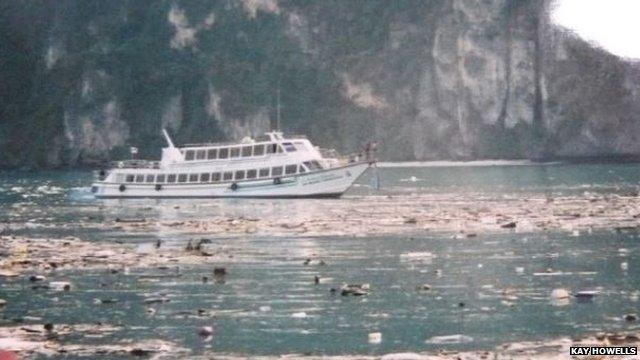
314	196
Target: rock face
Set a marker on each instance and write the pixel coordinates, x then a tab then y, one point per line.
448	79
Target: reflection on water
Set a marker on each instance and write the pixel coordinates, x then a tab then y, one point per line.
428	292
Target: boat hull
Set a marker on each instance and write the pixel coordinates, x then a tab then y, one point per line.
321	184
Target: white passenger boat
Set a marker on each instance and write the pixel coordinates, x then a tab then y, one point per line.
272	166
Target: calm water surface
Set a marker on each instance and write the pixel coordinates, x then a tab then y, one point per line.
503	280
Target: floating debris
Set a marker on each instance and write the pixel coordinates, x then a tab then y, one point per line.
157	300
375	338
104	301
509	225
129	221
140	352
415	256
630	317
8	273
560	294
36	278
205	331
586	295
60	285
450	339
355	289
3	302
424	287
299	315
219	271
309	261
509	294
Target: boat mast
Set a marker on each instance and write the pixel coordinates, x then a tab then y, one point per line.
167	137
278	109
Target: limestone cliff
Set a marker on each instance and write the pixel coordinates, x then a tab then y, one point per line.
442	79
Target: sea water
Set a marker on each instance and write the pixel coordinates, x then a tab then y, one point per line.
482	291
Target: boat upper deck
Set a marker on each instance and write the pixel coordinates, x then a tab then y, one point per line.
270	143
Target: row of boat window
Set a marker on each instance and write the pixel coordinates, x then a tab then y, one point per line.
238	151
238	175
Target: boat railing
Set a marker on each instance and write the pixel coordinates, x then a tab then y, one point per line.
298	137
347	159
329	153
135	164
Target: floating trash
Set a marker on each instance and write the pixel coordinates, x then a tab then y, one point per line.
509	294
36	278
586	295
299	315
450	339
205	331
375	338
60	285
104	301
417	256
509	225
139	352
355	289
560	294
158	300
309	261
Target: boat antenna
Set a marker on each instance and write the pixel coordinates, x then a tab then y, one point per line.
167	137
278	109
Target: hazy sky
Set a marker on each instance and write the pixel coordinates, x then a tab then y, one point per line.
612	24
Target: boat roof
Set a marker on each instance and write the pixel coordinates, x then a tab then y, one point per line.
272	136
